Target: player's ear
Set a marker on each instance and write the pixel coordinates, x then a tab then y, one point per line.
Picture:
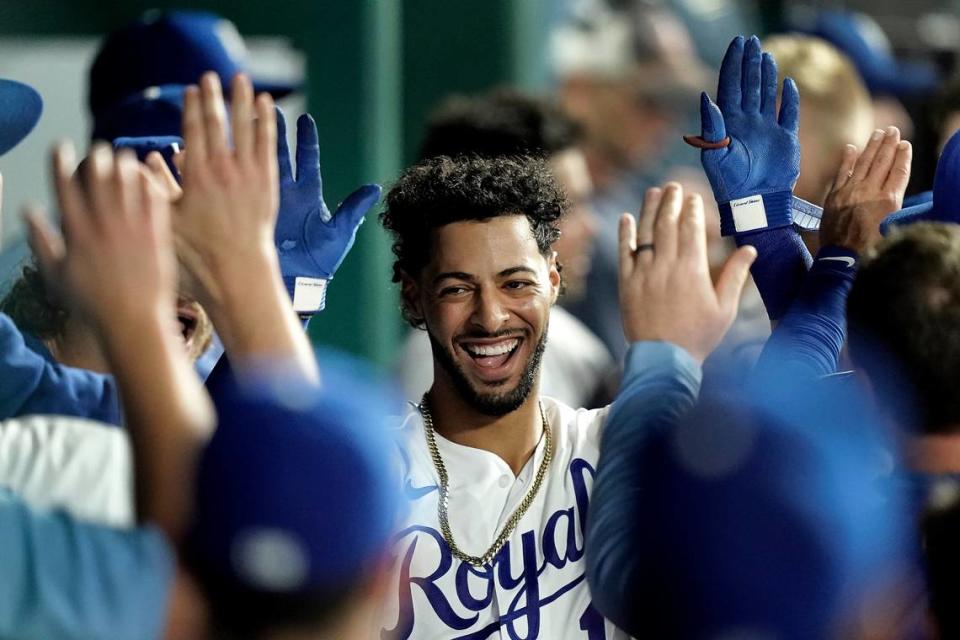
410	294
553	275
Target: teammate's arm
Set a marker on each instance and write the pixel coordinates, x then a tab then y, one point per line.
671	335
868	187
32	385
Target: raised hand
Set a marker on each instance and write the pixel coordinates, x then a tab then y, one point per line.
666	293
225	219
114	263
868	187
115	266
311	242
224	226
751	155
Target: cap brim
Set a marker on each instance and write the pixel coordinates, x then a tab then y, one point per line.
20	109
909	215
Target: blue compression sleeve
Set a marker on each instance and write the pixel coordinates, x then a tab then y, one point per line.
781	265
661	382
810	336
30	384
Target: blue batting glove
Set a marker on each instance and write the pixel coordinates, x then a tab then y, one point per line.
310	241
752	174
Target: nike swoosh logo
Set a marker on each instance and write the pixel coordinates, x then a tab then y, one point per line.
415	493
847	260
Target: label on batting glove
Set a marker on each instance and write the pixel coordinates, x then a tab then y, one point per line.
309	294
755	212
749	214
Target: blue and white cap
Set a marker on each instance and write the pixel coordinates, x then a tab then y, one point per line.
297	491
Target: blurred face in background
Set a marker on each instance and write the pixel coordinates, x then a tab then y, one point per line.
630	82
835	108
620	129
579	226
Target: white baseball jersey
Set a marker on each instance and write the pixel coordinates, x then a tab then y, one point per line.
535	587
80	466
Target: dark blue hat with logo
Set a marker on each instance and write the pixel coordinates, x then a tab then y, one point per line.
154	111
174	47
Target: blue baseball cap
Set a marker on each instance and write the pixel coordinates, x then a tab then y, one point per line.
764	517
174	47
297	490
943	203
166	146
153	111
20	109
863	41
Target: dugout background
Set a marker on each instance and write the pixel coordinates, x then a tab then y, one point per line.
374	68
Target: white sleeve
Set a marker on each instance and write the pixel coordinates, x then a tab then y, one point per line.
415	366
82	467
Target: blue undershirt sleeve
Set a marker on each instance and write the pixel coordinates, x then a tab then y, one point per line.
30	384
661	383
808	340
74	581
780	268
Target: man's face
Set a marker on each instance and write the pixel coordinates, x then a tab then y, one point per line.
485	297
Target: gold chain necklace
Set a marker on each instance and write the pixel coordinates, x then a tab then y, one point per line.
444	501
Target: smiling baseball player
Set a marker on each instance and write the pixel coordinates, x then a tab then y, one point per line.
499	477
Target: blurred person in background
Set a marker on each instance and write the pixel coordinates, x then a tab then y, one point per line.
52	359
577	368
890	81
166	48
627	74
130	89
901	313
835	110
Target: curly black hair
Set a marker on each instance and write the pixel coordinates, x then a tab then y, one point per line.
502	122
29	306
442	190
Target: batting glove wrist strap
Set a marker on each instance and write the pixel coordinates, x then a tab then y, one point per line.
750	213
